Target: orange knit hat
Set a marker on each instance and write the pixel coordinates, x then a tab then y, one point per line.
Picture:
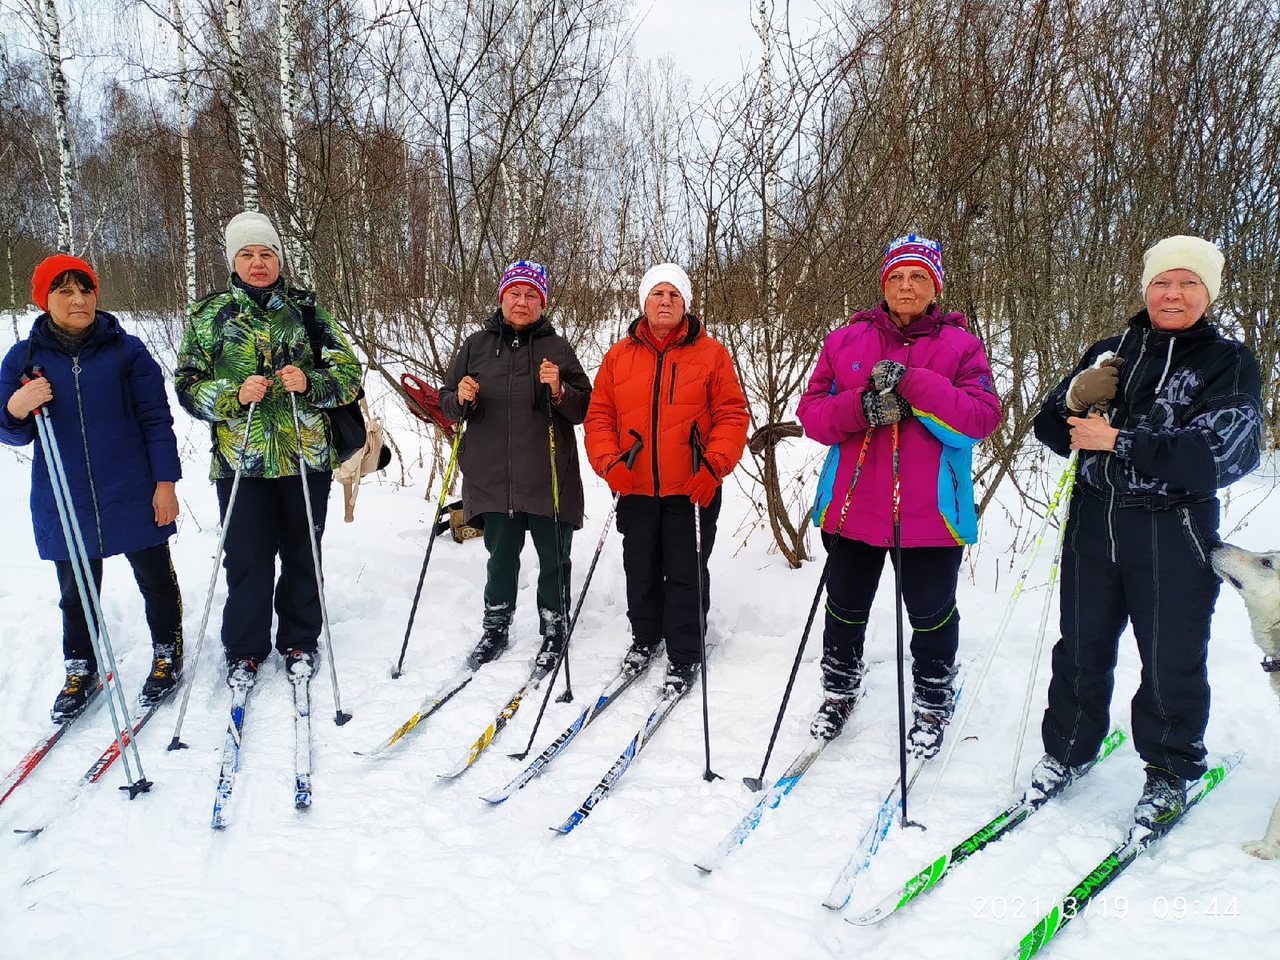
49	269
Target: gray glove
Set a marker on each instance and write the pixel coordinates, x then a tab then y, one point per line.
882	409
1095	387
886	374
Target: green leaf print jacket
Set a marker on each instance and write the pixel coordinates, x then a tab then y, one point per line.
243	330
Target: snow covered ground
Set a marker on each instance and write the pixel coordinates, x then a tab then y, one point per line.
393	862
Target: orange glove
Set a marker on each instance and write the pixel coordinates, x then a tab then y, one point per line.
619	479
702	487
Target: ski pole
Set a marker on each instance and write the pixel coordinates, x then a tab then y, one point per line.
87	587
176	743
1108	358
696	446
435	527
629	458
1061	493
757	783
897	603
567	696
339	717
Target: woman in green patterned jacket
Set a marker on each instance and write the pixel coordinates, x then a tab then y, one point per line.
247	348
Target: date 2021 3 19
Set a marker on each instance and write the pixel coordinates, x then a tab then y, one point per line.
1114	908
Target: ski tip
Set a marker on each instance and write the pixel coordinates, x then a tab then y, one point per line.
832	905
704	870
302	802
496	798
29	831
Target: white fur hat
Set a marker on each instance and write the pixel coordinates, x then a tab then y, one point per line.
246	229
667	273
1185	253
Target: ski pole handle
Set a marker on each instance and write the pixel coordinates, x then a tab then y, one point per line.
630	456
34	372
695	444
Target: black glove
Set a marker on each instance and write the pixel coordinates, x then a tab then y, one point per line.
886	374
882	409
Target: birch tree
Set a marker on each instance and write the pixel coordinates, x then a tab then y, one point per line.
44	15
233	13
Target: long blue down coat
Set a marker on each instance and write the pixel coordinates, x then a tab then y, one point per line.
113	428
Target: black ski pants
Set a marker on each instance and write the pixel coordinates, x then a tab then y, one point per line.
269	520
1148	567
660	559
156	579
929	576
504	539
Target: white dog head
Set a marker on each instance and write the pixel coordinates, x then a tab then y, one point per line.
1257	577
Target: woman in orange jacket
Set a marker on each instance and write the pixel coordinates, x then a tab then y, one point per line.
674	386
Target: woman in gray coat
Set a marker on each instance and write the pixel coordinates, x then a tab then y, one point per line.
507	372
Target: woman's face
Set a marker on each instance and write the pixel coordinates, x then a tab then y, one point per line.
71	305
1176	299
257	265
521	305
664	308
908	290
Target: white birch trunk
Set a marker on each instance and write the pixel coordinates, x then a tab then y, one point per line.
298	267
769	174
51	43
233	11
184	142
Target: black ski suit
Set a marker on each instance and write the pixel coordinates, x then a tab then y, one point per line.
1142	522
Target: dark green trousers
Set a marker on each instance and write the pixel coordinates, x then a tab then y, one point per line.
504	539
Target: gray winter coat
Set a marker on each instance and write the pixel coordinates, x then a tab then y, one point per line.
505	451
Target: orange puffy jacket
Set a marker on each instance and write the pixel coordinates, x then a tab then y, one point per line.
660	395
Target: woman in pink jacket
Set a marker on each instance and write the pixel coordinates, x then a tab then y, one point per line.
904	374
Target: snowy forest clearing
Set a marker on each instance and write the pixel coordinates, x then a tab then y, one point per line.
391	861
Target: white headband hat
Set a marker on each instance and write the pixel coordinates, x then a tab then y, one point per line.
1185	253
246	229
667	273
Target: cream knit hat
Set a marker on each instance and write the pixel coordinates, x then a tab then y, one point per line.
246	229
667	273
1185	253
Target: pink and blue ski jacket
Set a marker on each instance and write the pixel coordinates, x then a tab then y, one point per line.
948	384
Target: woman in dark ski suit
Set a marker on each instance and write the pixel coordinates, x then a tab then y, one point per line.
110	415
1184	420
506	372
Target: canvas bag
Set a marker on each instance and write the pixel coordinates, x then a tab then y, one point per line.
371	457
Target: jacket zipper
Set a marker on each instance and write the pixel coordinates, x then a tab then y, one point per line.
1185	513
88	465
671	390
1111	465
653	435
511	380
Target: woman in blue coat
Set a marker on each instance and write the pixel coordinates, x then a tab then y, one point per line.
109	413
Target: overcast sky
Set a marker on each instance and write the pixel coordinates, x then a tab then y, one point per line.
711	40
